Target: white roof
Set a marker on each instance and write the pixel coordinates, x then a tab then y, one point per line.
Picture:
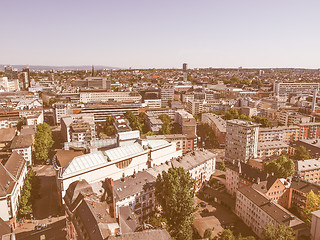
84	163
124	151
157	143
310	164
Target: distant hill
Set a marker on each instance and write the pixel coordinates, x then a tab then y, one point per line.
41	67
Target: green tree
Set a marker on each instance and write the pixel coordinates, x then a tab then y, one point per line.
227	235
166	127
281	167
312	204
208	233
222	166
43	142
175	191
301	153
156	220
270	232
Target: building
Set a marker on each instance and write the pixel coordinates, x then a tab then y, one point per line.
309	170
282	133
102	96
5	231
121	123
309	130
60	110
114	163
241	140
181	141
188	126
78	128
12	175
241	174
195	107
315	225
217	124
285	89
257	210
311	145
22	144
166	95
154	123
153	103
274	148
289	118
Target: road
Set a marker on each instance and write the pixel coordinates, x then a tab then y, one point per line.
54	231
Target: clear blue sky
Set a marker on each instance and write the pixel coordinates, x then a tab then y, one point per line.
162	33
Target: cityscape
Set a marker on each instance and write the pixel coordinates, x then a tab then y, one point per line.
120	126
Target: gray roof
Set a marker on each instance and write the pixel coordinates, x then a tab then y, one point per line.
130	185
15	164
7	134
123	152
190	161
22	141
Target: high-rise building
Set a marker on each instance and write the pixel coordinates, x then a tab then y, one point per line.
25	73
195	107
241	140
167	95
185	73
184	67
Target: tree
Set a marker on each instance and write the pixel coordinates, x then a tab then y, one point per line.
270	232
175	191
43	142
208	233
166	127
227	235
312	204
281	167
222	166
301	153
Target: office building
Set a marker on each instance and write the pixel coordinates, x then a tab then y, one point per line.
166	95
102	96
195	107
284	89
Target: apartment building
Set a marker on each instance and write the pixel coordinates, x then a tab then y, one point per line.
60	110
217	124
96	96
289	118
241	140
309	170
257	210
189	127
282	133
309	130
181	141
284	89
154	123
271	148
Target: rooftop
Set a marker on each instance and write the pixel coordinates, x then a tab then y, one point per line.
272	144
306	165
243	123
7	134
123	152
22	141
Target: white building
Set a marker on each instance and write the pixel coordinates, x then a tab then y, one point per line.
284	89
12	176
104	96
114	163
166	94
60	110
153	103
22	144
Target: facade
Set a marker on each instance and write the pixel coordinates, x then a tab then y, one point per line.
195	107
153	103
217	124
12	176
309	130
284	89
288	118
271	148
241	140
309	170
59	110
257	210
166	95
283	134
106	96
22	144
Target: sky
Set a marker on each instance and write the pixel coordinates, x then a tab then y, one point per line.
162	33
